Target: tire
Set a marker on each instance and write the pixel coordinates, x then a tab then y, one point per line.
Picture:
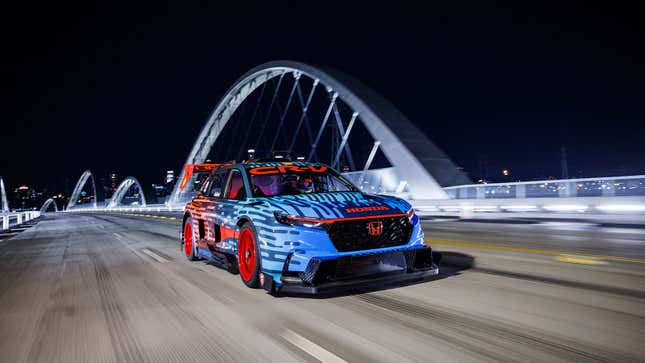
248	256
188	240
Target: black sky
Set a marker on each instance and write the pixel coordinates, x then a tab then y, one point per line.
83	83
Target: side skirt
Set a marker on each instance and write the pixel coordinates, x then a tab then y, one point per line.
222	260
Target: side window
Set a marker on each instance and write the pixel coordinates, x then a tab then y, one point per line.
235	188
217	182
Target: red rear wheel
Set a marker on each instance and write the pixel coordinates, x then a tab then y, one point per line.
189	249
248	259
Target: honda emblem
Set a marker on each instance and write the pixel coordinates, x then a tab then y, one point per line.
375	228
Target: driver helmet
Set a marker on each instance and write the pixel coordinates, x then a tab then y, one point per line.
306	184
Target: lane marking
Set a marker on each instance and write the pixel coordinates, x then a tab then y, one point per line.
533	250
117	235
154	255
159	218
310	347
580	260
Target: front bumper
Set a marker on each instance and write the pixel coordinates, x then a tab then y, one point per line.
324	276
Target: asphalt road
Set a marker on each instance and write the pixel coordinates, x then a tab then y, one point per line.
102	288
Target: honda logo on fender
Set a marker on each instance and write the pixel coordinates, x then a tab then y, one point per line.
375	228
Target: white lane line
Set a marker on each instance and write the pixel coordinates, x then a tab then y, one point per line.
117	235
310	347
154	255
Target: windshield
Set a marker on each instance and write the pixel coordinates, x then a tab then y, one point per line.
270	181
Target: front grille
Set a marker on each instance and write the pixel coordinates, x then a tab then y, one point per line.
353	235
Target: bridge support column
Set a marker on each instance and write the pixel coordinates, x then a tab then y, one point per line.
5	223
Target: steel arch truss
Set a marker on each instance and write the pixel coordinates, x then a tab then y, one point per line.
47	204
79	188
122	191
417	163
4	206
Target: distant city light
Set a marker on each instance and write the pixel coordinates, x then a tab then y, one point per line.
505	172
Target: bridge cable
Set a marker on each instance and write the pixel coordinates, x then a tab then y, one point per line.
341	131
283	114
268	114
314	146
304	118
248	130
345	141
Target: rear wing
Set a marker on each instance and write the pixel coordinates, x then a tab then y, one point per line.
190	169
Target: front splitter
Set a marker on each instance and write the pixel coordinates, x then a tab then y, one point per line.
366	282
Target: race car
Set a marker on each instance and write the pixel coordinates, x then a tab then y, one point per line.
303	228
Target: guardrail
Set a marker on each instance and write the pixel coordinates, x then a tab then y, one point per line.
611	186
147	208
16	218
630	210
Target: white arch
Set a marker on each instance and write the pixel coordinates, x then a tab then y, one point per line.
46	205
122	190
405	146
79	187
4	206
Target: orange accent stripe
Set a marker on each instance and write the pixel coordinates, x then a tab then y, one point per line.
332	220
226	232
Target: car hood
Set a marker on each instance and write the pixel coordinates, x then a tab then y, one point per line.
337	205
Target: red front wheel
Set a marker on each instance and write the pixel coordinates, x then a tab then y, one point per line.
188	240
248	256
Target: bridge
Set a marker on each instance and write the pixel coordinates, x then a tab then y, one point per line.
548	270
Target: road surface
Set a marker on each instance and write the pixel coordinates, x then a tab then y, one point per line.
105	288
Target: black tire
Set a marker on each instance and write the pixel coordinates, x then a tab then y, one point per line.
188	232
249	268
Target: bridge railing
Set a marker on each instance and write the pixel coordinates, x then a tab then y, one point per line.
617	186
131	208
15	218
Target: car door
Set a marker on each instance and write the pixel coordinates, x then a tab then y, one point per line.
207	224
234	194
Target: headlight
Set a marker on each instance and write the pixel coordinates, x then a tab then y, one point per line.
290	220
411	214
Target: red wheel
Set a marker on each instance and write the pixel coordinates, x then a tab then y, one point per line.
248	256
189	248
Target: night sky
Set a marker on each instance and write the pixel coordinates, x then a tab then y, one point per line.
127	87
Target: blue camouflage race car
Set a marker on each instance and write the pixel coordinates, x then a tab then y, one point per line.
301	227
